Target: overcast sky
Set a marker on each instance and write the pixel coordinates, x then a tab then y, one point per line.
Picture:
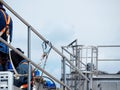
92	22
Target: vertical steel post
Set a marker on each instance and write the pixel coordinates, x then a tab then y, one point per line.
64	73
63	70
29	56
77	63
97	59
91	74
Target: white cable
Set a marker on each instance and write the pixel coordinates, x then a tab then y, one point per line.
16	73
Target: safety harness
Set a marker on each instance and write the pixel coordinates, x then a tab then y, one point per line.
23	86
45	55
7	20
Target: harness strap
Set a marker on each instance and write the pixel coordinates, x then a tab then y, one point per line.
7	23
26	85
23	86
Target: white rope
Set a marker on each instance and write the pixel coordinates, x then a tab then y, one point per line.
16	73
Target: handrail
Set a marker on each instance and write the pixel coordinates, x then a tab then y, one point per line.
26	58
41	37
108	46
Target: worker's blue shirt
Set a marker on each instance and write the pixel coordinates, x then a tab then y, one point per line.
22	69
3	47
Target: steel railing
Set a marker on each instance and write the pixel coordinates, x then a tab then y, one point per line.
45	40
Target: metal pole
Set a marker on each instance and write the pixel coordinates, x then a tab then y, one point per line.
108	46
97	59
74	56
29	56
91	74
64	73
26	58
77	63
41	37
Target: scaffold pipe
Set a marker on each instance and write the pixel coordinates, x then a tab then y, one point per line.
22	55
41	37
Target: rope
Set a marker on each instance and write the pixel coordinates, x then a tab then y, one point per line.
45	53
15	71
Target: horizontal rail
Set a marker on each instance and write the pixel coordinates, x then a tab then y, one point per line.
41	37
72	55
108	46
108	59
22	55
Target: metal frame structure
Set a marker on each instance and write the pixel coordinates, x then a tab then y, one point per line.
82	62
87	59
30	28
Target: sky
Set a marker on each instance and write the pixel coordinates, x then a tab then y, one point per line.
91	22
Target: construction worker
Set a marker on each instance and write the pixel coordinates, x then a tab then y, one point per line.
21	66
6	25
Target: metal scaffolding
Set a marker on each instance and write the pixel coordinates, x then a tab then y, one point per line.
30	28
87	59
80	64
